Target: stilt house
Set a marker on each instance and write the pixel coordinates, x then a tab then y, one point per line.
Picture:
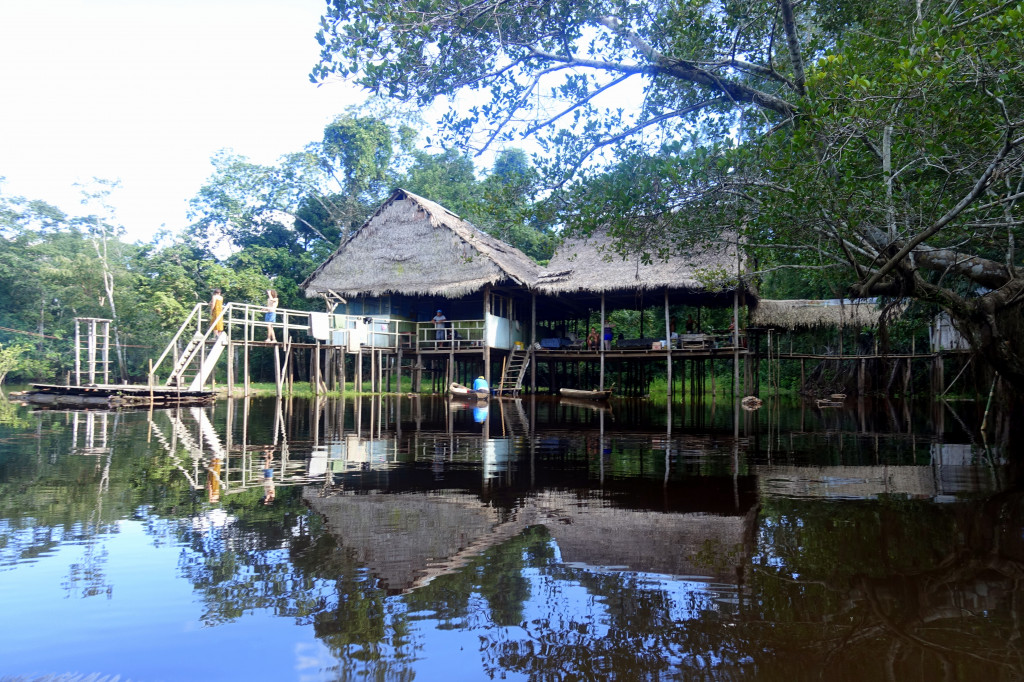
413	259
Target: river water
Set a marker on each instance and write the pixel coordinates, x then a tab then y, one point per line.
409	538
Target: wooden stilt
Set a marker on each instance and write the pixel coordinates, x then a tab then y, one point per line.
600	383
357	375
278	383
247	333
736	341
668	353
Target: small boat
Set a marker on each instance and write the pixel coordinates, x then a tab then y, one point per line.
580	394
457	390
828	402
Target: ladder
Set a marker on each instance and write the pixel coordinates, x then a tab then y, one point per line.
514	372
195	348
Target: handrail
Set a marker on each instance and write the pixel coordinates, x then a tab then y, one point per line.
174	340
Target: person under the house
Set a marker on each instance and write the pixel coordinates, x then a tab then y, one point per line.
480	384
216	308
271	315
439	321
592	339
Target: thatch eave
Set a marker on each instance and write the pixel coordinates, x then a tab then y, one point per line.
594	266
415	247
795	314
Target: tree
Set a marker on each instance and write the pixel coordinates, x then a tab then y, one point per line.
9	359
876	144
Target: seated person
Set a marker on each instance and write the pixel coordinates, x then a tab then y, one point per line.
480	384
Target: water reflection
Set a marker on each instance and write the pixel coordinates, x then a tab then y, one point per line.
403	537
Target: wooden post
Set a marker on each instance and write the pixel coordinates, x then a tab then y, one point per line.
486	344
315	374
92	351
533	342
450	374
342	369
736	342
600	383
374	373
357	375
247	331
78	353
668	356
289	366
398	367
106	352
279	389
231	364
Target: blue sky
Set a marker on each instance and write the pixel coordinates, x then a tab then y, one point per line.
145	91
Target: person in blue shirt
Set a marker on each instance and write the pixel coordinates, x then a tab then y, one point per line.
480	384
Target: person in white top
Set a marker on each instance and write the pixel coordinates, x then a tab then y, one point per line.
439	319
271	315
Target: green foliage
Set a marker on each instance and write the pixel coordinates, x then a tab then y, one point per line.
10	358
873	146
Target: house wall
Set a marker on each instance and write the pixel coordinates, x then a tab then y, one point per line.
503	333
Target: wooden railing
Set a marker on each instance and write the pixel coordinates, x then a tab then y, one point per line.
456	335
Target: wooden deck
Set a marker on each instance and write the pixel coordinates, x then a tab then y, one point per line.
105	396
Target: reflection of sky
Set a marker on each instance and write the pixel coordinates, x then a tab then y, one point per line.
143	619
145	627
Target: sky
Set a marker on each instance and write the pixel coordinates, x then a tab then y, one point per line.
147	91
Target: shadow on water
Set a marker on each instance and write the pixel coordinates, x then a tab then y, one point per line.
543	538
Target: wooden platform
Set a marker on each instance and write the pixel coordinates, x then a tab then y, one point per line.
106	396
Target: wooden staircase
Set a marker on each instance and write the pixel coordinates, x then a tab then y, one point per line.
195	348
514	372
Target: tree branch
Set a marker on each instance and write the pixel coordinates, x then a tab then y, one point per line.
979	188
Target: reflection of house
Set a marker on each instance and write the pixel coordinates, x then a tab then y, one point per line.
863	482
407	540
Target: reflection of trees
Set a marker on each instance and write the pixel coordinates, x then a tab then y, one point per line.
50	496
888	589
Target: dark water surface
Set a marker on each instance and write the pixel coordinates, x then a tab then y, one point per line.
548	541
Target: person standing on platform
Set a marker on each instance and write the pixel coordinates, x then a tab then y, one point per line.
271	315
608	327
439	320
216	308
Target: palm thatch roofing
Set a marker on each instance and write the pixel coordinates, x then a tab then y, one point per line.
806	314
414	246
594	265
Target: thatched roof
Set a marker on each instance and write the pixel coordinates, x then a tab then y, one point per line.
414	246
802	313
593	265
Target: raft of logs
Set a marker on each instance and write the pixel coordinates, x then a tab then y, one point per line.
112	396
